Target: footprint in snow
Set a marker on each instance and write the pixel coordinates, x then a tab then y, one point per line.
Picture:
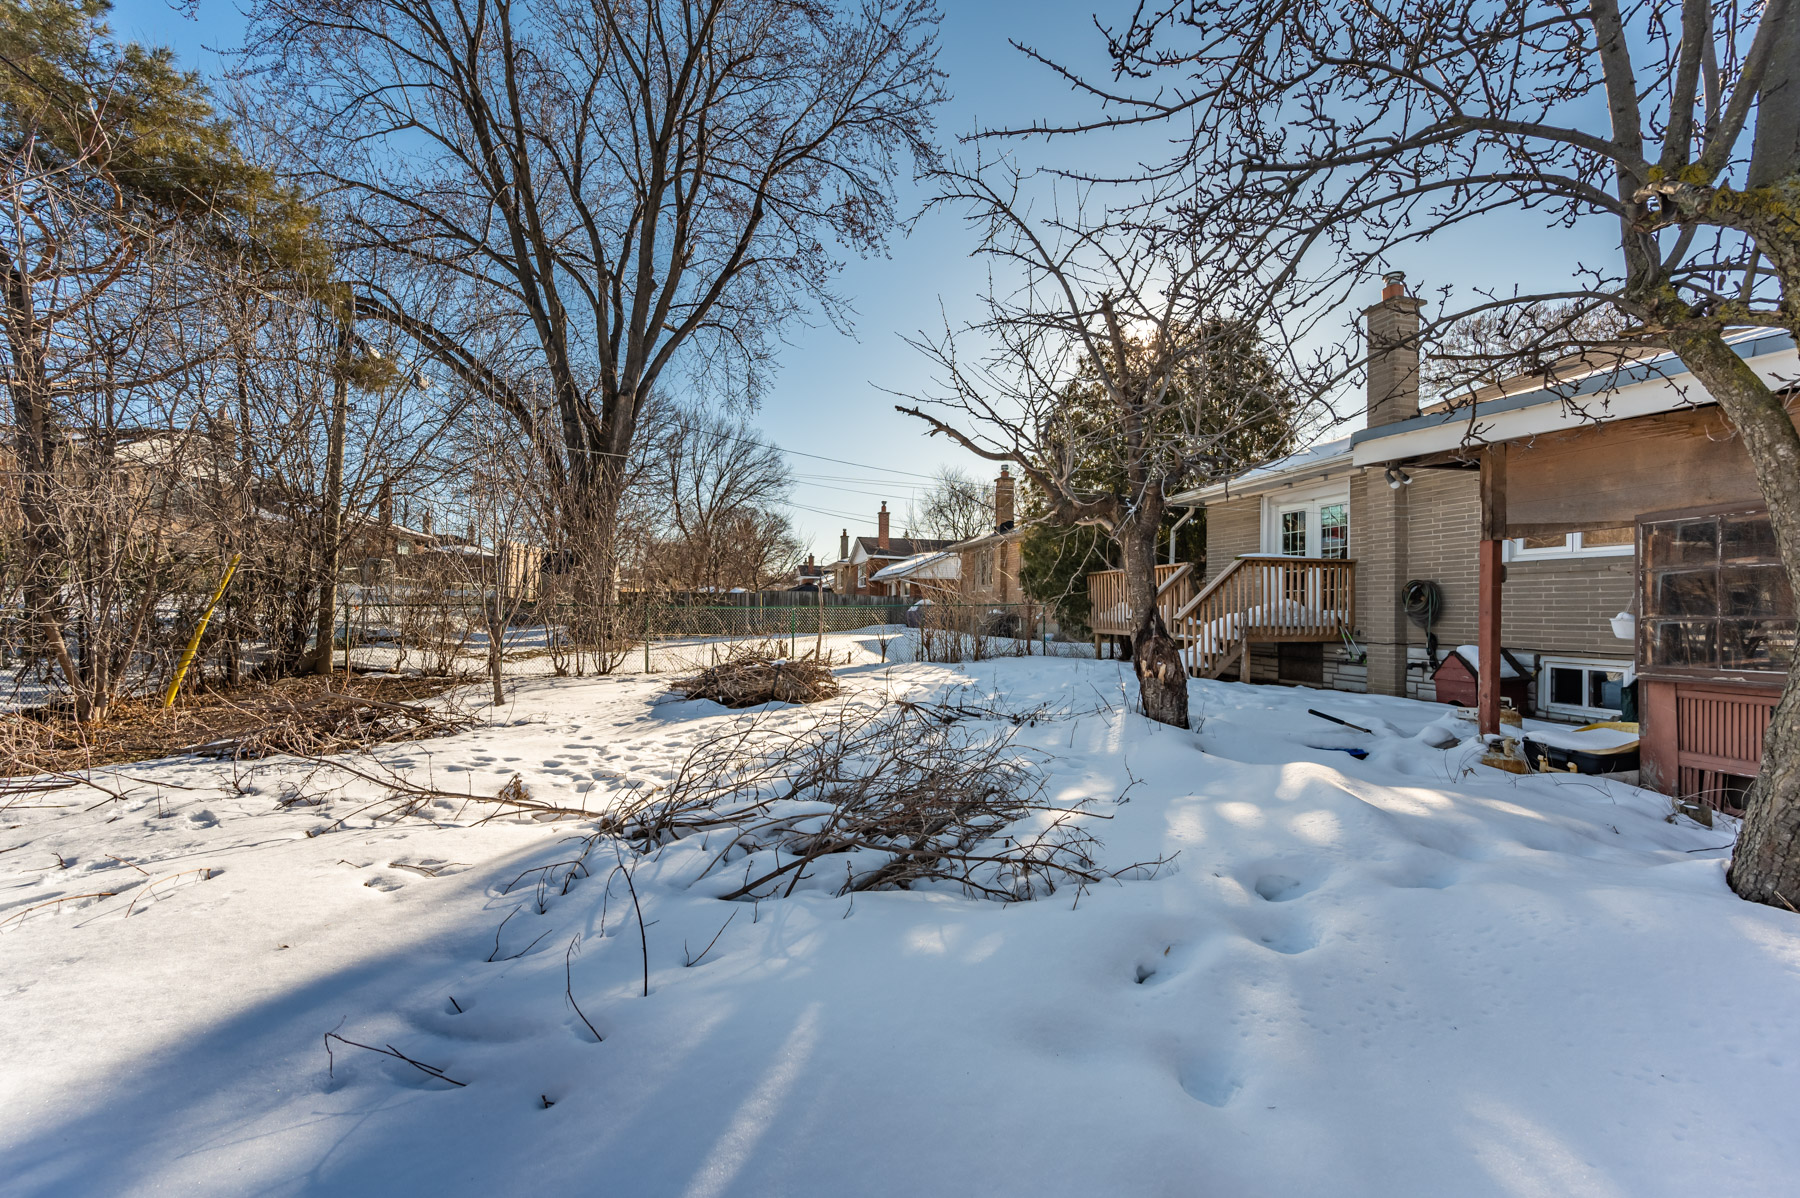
1286	935
1209	1076
203	819
384	883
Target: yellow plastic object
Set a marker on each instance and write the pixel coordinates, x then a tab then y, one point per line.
193	645
1615	725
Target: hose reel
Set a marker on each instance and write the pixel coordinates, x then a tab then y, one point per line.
1424	603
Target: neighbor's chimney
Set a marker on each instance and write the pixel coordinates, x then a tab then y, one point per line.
881	528
844	546
1003	499
1393	330
384	504
425	521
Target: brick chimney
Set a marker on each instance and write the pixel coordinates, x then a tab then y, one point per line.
1393	331
1003	500
881	528
425	521
844	546
384	504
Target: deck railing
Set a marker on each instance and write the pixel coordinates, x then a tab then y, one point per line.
1109	607
1265	599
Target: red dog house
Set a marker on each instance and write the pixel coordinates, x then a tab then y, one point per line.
1459	674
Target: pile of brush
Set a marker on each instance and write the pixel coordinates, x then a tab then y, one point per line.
751	678
336	722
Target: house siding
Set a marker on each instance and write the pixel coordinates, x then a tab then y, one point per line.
1430	530
1232	528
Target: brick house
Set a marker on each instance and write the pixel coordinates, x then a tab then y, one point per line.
861	558
1615	545
990	563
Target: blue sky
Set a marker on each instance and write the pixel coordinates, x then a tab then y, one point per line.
831	396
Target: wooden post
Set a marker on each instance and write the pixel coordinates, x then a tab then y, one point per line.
1491	576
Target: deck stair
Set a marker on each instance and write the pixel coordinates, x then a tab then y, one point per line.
1255	599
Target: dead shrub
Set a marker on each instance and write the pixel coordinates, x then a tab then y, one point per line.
891	797
760	674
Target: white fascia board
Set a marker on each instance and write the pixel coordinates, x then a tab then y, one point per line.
1317	470
1551	414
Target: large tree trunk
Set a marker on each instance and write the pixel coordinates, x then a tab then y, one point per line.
1162	680
332	536
1766	866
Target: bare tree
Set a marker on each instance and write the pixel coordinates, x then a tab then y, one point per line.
610	190
1138	314
1339	133
717	492
123	200
956	507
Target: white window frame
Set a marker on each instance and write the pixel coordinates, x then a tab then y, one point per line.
1571	547
1309	499
1588	665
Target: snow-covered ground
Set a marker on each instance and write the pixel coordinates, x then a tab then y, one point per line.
1404	975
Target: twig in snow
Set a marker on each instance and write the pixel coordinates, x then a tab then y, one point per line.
497	932
643	938
569	989
389	1051
709	944
65	899
149	886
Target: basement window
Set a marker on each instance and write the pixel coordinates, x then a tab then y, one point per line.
1592	690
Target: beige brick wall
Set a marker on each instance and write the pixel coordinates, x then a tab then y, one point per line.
1565	606
1232	528
1443	530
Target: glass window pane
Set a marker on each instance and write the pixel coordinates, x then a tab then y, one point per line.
1334	530
1684	593
1546	542
1748	539
1682	542
1757	591
1682	643
1756	644
1596	537
1606	688
1565	686
1293	534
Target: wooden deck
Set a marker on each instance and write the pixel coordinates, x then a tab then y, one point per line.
1253	600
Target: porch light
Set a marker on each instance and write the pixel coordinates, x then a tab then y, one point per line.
1396	478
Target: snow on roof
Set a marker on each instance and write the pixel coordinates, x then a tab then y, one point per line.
1641	388
942	565
1325	457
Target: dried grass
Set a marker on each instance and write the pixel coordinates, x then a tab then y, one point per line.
325	714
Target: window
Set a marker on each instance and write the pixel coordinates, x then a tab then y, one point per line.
1334	530
1715	596
1308	525
1293	533
1585	689
1595	542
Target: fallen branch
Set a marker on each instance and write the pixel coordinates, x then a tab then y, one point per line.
53	902
149	886
389	1051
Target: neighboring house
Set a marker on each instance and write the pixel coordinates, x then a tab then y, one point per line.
1537	521
936	575
861	558
809	576
990	563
